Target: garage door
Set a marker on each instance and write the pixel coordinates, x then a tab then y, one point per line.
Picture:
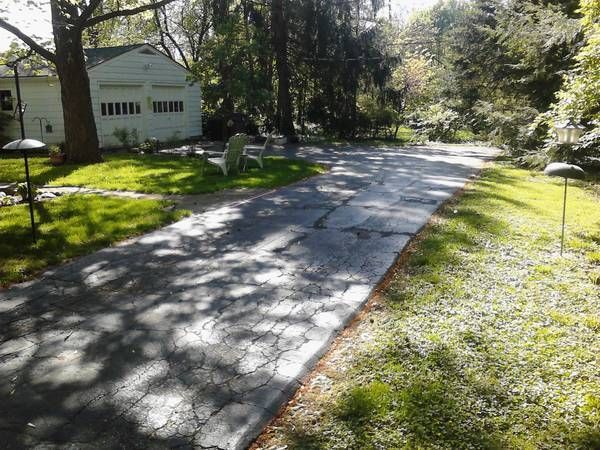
168	113
120	109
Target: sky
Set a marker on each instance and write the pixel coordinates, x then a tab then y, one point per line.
32	16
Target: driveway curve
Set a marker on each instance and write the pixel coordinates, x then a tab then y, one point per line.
194	335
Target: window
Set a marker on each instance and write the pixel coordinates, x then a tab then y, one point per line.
169	106
6	102
121	108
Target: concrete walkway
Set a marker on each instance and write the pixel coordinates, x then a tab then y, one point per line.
194	335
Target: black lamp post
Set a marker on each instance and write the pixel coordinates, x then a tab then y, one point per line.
24	145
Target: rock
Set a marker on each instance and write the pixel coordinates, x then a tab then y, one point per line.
46	195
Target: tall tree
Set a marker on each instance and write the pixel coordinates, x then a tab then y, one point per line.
69	20
279	30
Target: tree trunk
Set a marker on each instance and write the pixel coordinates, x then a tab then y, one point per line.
279	39
81	136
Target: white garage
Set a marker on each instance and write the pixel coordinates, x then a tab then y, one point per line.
135	87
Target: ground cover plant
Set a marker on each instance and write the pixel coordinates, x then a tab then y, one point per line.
71	226
157	174
484	338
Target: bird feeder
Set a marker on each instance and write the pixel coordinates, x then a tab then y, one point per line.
565	171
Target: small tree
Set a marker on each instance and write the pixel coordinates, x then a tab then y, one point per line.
69	20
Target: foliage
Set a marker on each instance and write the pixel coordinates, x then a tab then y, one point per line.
54	150
69	226
508	122
157	174
126	137
580	97
24	192
483	338
440	123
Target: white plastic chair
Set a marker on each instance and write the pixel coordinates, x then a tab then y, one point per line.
261	149
230	160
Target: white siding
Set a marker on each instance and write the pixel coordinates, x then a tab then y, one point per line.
150	75
157	74
42	96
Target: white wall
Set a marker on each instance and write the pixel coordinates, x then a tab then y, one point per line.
42	96
152	72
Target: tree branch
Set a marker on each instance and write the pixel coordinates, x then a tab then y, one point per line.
28	40
125	12
88	11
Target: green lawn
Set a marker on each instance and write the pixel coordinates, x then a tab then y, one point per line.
156	174
70	226
484	338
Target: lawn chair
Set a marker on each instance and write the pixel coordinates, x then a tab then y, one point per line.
230	159
260	148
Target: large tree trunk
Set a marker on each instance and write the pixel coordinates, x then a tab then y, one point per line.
81	136
280	38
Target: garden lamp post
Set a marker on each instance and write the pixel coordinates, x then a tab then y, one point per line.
24	145
567	133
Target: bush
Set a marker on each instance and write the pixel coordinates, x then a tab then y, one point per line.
22	191
507	122
439	123
127	138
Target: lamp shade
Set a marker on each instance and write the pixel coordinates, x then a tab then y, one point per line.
24	144
568	132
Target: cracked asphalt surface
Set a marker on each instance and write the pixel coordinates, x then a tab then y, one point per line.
194	335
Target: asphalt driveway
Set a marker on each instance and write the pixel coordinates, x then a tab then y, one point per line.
194	335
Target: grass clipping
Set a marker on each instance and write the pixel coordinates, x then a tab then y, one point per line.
484	338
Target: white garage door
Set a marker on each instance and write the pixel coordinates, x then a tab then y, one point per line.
168	113
120	108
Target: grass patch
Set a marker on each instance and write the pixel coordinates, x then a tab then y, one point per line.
156	174
486	338
71	226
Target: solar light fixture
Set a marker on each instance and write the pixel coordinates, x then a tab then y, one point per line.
24	145
568	132
566	171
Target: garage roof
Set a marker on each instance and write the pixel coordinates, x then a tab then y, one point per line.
93	56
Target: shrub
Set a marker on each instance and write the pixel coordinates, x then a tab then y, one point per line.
54	150
4	121
125	137
440	123
22	191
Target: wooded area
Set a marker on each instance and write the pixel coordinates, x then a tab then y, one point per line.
503	71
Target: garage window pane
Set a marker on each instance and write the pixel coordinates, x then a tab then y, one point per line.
171	108
111	109
160	105
117	109
124	108
176	106
154	107
6	102
138	108
103	108
165	106
180	106
131	108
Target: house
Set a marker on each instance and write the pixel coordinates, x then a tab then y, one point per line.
134	86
